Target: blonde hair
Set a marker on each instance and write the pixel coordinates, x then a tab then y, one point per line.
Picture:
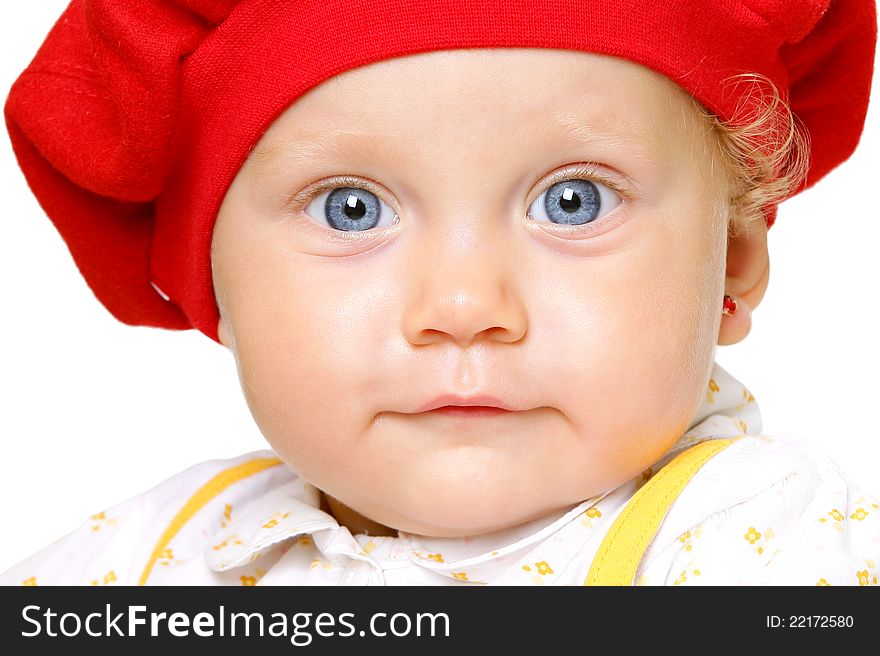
764	149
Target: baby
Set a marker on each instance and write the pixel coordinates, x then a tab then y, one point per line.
394	231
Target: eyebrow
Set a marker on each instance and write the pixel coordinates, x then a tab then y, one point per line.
582	130
301	150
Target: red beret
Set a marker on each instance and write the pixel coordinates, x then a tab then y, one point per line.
134	117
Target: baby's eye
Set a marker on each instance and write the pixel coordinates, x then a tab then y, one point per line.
350	209
574	202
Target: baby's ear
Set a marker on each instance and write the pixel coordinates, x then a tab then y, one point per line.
748	263
747	275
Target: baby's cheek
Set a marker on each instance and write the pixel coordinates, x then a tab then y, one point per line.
634	373
288	391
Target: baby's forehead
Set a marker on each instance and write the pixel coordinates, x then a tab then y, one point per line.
470	96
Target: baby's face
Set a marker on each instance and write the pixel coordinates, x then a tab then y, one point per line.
540	226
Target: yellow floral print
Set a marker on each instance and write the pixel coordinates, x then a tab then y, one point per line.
686	539
166	557
758	539
822	582
837	516
100	517
589	515
839	520
683	576
868	576
30	582
543	568
752	535
713	387
859	514
461	576
747	398
109	577
274	519
248	580
225	543
227	515
438	558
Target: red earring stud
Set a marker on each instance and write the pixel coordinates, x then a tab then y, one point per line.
729	306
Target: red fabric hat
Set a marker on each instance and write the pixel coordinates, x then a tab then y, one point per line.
134	117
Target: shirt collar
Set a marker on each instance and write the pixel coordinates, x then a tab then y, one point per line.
727	409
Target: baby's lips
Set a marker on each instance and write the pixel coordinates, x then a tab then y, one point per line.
447	399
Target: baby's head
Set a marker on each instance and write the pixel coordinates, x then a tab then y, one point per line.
382	208
431	225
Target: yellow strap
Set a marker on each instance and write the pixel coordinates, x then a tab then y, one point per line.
625	542
202	496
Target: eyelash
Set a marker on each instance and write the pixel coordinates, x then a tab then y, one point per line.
583	170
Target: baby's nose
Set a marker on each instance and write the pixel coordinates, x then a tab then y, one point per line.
464	287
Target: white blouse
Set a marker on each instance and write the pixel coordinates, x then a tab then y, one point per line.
766	510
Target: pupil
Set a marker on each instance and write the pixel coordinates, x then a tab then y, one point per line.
355	207
569	201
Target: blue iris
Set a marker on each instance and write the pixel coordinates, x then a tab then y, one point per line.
572	202
350	208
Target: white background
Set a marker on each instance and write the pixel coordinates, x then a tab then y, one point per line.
93	412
